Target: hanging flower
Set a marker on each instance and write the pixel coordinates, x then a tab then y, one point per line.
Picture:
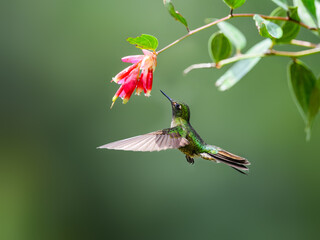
138	76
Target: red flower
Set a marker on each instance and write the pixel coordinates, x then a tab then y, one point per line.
130	78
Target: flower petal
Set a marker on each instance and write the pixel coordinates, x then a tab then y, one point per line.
121	76
149	82
143	80
120	90
133	58
149	61
139	88
146	52
129	85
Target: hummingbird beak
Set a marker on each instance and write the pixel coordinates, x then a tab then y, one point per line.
167	96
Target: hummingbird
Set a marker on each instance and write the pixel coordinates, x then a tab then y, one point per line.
182	136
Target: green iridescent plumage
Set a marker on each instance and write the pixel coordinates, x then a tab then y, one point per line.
181	135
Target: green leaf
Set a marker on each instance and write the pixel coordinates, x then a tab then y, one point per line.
175	14
282	3
317	4
278	12
290	30
233	34
310	6
304	14
144	41
266	28
219	47
234	3
306	92
241	68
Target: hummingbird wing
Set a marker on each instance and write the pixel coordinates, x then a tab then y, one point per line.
155	141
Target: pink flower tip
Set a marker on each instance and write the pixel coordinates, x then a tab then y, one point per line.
138	92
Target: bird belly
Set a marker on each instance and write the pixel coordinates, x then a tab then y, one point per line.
190	151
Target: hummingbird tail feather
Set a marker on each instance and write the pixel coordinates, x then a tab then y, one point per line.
230	162
231	157
240	171
236	162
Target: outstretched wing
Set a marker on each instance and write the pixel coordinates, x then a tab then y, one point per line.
155	141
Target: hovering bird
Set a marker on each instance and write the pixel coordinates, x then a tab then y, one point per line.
181	135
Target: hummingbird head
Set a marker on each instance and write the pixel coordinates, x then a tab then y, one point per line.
179	109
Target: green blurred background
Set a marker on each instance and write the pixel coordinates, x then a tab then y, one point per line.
58	58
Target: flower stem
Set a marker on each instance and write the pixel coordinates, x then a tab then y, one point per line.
303	43
222	62
193	32
197	66
227	18
247	56
294	54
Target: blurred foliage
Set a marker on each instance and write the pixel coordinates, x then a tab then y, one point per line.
58	58
241	68
233	34
305	89
175	14
234	3
290	29
219	47
284	26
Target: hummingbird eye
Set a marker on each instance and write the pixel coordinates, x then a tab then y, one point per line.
177	106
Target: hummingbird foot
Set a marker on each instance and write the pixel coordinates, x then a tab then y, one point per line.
190	159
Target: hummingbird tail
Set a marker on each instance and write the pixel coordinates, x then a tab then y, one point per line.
236	162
